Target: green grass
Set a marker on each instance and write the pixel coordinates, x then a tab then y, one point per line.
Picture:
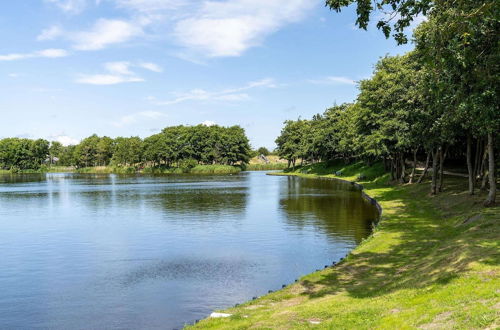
43	169
199	169
266	167
423	267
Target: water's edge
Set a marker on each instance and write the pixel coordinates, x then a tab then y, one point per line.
364	195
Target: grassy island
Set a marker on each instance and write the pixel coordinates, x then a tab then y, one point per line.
432	262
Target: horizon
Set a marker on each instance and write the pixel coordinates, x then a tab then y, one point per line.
132	67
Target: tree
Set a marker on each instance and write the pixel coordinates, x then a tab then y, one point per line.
397	15
263	151
56	150
127	151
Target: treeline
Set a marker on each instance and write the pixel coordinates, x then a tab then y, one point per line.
178	146
437	102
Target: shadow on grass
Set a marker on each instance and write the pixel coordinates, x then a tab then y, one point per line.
428	243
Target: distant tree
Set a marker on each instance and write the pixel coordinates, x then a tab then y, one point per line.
128	151
263	151
55	150
85	153
104	150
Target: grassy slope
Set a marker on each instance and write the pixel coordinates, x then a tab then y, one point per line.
275	163
422	268
199	169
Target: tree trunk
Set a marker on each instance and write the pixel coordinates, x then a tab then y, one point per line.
435	159
477	159
484	171
393	175
490	201
412	175
442	157
403	168
426	168
469	165
396	167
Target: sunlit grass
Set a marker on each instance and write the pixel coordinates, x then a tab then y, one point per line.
423	267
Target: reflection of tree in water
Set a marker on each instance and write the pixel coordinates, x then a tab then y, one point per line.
200	197
21	178
203	202
332	207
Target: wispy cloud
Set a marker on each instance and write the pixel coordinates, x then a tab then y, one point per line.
205	28
116	73
120	68
229	28
50	33
231	94
46	53
135	117
106	79
333	80
151	67
105	32
149	6
70	6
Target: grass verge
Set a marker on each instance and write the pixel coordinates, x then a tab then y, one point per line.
266	167
432	263
198	169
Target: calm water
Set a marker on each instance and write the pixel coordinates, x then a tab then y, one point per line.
120	252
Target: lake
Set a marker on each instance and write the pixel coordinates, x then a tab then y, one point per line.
156	252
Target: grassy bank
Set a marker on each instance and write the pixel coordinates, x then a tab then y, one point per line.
198	169
43	169
266	167
432	263
273	163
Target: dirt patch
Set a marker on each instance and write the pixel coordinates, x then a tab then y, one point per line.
251	307
472	219
439	322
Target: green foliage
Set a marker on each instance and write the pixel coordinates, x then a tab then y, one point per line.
184	147
127	151
263	151
395	15
265	167
21	154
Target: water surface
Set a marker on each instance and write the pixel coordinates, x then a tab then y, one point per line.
156	252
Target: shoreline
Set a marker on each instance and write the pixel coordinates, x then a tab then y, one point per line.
364	195
422	249
199	169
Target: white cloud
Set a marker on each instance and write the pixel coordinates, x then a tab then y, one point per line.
65	140
14	75
150	5
120	68
70	6
117	73
46	53
231	94
105	32
209	123
229	28
52	53
50	33
133	118
151	66
332	80
106	79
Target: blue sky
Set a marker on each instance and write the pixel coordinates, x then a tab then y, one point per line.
71	68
